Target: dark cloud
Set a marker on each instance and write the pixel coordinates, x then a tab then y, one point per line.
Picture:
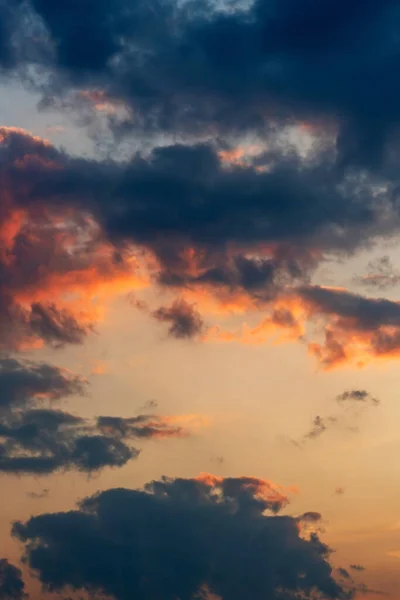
179	538
55	326
23	383
183	319
149	405
12	586
195	223
344	573
357	567
192	68
142	426
381	274
319	426
356	327
353	402
46	250
357	396
42	440
204	223
310	517
209	205
365	313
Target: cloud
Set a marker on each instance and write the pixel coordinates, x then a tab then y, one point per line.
47	250
252	252
44	493
344	573
149	426
357	396
36	438
197	69
319	427
43	441
353	402
357	329
357	567
381	275
183	319
12	586
310	517
24	383
189	534
149	405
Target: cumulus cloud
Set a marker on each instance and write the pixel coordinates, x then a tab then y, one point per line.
188	535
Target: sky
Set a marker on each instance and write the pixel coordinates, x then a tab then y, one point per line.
199	314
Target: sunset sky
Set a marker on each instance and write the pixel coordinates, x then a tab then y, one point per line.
199	299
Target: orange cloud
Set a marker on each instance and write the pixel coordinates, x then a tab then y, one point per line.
240	156
153	426
101	103
262	488
99	368
57	271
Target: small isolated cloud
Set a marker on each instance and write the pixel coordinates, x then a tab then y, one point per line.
151	426
352	402
344	573
381	275
12	586
183	319
319	426
357	567
310	517
149	405
44	493
219	460
357	396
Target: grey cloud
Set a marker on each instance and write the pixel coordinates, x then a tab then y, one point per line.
12	586
177	538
